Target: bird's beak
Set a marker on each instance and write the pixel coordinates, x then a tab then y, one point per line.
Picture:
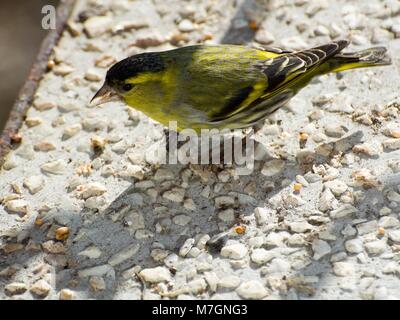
105	94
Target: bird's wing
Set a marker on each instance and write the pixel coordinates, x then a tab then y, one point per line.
280	73
281	70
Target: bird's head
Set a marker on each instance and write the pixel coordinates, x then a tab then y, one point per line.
124	77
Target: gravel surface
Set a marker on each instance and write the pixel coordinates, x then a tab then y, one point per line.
87	211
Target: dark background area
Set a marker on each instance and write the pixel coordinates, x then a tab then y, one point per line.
21	34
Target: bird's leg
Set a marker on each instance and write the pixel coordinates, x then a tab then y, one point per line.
172	139
225	158
251	134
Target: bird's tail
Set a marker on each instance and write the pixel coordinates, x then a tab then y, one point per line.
371	57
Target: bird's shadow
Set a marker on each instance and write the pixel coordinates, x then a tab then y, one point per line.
143	216
245	23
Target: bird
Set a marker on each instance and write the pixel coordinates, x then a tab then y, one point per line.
224	86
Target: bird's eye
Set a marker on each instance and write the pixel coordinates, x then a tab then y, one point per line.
127	87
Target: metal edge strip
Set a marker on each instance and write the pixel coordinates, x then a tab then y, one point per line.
39	68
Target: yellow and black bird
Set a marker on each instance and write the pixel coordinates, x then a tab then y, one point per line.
223	86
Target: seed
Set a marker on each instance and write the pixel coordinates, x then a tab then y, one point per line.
253	25
39	222
381	231
240	229
51	64
297	187
303	136
62	233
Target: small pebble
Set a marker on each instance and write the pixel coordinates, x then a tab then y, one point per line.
234	251
44	146
252	290
40	288
93	75
34	184
223	201
261	256
124	254
391	144
105	61
261	215
18	206
91	252
321	31
186	247
375	247
334	130
181	219
367	227
174	195
300	227
15	288
336	186
394	235
343	269
321	248
44	105
273	167
229	282
92	189
349	231
327	201
354	246
66	294
155	275
133	171
71	131
63	70
227	215
279	266
99	271
151	38
53	247
97	283
186	26
56	167
264	37
97	25
391	268
388	222
33	121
